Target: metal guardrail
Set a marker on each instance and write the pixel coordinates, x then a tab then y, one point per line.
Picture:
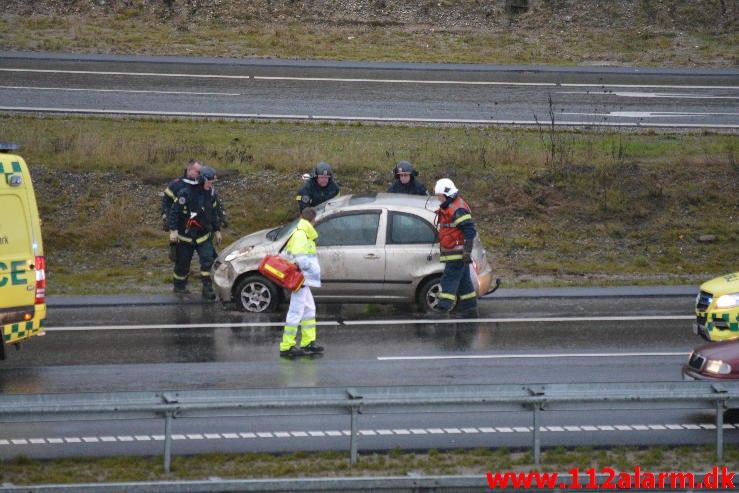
717	396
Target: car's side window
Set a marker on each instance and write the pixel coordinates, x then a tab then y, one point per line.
404	229
349	229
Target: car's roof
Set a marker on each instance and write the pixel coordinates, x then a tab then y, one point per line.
389	200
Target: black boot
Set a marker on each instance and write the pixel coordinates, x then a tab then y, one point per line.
180	286
208	293
312	348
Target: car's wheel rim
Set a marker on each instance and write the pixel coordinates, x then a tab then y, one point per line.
432	297
255	297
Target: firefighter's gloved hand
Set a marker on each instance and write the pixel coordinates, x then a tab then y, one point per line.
467	258
173	236
219	237
173	252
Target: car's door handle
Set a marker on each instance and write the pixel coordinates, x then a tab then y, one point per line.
372	256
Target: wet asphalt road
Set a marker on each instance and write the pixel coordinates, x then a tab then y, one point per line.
99	344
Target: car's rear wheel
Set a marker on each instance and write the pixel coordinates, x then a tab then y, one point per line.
256	294
428	294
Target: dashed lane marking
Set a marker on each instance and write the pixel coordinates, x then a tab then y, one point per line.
366	432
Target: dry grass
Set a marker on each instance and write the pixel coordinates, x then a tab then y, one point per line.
603	208
568	32
23	471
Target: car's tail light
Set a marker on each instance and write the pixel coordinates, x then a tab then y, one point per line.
40	280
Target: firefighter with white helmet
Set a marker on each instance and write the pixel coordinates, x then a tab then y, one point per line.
319	188
456	236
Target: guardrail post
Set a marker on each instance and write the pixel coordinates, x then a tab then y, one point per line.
168	417
537	405
536	446
720	405
354	439
719	431
167	441
353	445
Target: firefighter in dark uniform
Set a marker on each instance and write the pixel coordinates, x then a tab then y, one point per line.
456	236
193	222
405	180
319	188
191	176
209	177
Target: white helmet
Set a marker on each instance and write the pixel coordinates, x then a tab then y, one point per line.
445	186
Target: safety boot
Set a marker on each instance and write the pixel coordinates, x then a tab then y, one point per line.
208	293
436	314
293	352
312	348
467	313
180	286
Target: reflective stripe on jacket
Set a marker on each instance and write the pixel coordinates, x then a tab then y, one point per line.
455	228
301	247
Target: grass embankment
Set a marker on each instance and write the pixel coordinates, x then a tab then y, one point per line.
23	471
681	33
553	207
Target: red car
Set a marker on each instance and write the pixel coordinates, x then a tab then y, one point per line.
714	361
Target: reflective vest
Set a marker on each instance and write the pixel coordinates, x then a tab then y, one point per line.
301	247
451	238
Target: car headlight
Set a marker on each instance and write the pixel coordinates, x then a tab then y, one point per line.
717	367
232	256
727	300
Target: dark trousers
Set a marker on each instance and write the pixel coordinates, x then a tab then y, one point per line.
456	285
206	253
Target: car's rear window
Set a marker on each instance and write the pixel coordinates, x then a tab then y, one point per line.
405	229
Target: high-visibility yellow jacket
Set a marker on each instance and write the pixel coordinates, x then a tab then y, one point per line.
301	247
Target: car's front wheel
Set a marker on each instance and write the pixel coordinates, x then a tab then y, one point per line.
428	294
256	294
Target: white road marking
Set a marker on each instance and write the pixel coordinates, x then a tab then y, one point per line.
650	95
377	119
649	114
329	323
525	320
356	80
133	91
365	432
532	356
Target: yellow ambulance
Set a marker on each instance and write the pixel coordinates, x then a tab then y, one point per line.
717	309
22	263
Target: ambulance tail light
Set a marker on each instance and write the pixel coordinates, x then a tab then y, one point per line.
40	280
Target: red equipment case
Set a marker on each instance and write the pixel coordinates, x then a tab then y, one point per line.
282	271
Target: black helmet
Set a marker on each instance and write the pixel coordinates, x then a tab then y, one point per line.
322	169
208	173
404	167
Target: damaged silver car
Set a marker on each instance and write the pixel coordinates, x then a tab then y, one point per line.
373	248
